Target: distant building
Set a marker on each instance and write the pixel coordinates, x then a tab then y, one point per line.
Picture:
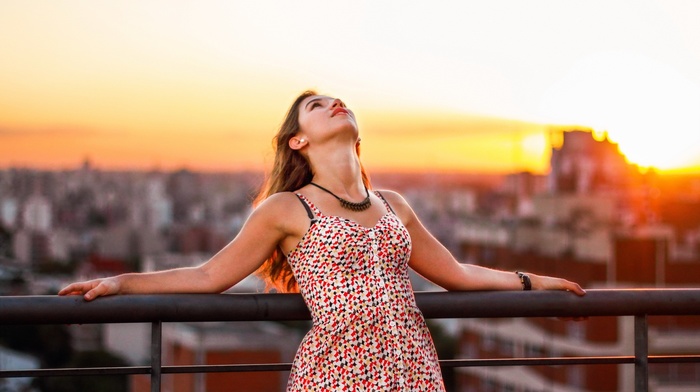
523	186
596	258
159	207
585	228
9	212
13	360
583	164
31	248
225	344
37	214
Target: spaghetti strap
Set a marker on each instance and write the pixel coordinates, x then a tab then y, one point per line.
310	213
385	202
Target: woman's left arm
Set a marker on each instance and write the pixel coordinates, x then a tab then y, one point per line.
433	261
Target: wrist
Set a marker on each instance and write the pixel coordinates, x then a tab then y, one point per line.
117	283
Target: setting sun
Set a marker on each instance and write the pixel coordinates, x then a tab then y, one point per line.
649	109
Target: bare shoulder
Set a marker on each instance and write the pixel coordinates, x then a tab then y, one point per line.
280	204
280	200
398	204
285	209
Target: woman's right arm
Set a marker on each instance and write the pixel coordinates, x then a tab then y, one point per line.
258	238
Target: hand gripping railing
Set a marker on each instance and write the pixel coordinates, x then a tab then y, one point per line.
157	309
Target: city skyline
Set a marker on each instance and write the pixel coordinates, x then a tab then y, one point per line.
447	87
592	219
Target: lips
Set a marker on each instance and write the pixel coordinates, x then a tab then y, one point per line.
339	111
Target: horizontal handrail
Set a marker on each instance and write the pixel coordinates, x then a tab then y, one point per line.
156	309
280	367
261	307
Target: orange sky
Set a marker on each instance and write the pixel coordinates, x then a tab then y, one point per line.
465	86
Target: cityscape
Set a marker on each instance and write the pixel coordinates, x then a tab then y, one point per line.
594	218
549	137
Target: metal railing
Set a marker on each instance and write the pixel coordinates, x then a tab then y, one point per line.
159	309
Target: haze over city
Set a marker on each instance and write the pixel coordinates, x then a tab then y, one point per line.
450	86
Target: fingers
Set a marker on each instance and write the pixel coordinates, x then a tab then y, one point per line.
101	289
90	289
574	287
76	288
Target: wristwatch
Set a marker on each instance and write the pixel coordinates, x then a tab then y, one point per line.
524	280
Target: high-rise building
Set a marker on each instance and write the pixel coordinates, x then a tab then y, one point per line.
9	212
36	214
587	228
583	164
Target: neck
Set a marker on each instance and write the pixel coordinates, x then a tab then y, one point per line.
339	170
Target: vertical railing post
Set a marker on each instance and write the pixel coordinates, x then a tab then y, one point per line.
156	352
641	353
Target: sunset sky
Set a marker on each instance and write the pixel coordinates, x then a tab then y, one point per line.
438	85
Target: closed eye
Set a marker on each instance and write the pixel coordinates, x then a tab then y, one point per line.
312	104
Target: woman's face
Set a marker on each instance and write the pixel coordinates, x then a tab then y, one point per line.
321	117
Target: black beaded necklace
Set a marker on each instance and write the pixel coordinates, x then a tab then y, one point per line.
348	205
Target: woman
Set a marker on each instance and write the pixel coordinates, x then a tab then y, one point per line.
317	229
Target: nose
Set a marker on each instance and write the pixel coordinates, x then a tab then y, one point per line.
337	102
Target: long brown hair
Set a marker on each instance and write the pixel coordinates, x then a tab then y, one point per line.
290	171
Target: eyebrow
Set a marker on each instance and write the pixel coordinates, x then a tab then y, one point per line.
313	100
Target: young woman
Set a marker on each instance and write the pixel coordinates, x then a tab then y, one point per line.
318	229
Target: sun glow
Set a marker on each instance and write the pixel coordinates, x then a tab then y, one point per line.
646	107
439	86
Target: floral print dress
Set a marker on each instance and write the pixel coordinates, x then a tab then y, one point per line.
367	333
